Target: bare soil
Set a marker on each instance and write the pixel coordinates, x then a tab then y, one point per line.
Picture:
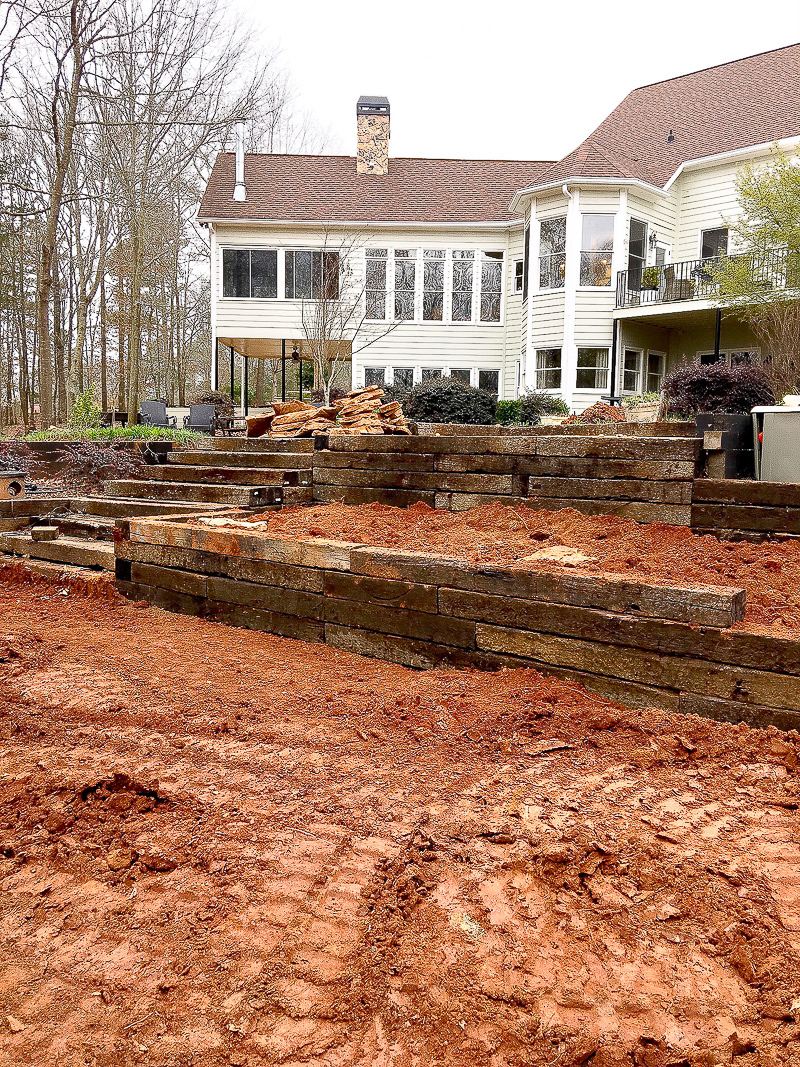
225	847
496	534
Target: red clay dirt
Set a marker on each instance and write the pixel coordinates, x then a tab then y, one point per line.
225	847
497	534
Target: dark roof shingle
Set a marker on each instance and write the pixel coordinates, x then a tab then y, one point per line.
750	101
327	188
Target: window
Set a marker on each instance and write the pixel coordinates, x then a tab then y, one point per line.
526	261
714	243
462	267
373	376
552	249
631	370
491	285
433	285
375	283
461	374
404	377
249	274
592	368
548	368
312	275
519	274
655	371
733	357
597	243
489	380
737	358
405	279
429	373
637	252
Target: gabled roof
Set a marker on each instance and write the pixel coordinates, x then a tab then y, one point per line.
750	101
327	189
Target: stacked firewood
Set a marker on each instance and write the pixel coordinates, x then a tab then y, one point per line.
360	412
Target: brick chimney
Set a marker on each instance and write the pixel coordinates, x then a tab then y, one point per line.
373	135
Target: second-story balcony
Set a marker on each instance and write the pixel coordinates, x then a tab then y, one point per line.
698	279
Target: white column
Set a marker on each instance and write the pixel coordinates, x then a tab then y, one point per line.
529	370
618	263
214	292
572	275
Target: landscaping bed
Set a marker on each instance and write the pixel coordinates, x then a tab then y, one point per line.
222	847
498	535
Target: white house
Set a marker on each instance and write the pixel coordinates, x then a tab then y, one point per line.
508	274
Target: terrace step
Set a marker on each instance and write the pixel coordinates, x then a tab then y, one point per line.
217	458
259	444
228	475
74	551
193	492
128	507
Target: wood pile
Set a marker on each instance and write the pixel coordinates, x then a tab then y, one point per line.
596	414
360	412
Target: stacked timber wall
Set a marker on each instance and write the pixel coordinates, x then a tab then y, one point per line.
735	509
646	479
642	644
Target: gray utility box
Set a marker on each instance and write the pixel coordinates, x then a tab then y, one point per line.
776	434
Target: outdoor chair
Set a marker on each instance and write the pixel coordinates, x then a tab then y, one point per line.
202	417
154	413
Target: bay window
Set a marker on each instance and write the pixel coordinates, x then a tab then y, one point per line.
592	368
548	368
491	285
597	243
462	274
311	275
375	283
552	252
250	273
405	281
433	285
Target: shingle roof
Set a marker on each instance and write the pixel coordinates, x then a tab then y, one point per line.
327	188
750	101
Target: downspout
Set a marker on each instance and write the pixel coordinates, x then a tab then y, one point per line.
614	339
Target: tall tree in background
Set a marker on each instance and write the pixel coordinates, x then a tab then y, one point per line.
110	116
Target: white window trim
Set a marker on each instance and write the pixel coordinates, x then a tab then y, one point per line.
728	352
552	389
538	288
606	348
611	287
514	262
706	229
663	357
639	369
280	274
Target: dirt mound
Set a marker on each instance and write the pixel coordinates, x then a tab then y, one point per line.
270	852
496	534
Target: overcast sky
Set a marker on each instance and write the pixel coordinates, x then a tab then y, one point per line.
496	80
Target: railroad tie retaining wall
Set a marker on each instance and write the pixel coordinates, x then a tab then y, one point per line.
737	509
646	479
641	644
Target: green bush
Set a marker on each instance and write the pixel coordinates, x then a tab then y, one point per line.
508	412
641	398
533	405
450	400
86	413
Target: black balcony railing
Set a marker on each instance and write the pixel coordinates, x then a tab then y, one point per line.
697	279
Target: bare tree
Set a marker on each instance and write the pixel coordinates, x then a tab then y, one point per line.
337	316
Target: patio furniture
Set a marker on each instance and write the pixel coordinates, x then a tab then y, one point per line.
230	424
676	288
114	418
201	417
154	413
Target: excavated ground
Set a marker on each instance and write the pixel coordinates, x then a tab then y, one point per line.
496	534
224	847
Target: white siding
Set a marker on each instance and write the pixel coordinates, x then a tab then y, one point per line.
707	199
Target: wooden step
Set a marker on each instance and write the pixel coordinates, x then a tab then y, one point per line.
74	551
128	508
182	492
215	458
262	444
228	475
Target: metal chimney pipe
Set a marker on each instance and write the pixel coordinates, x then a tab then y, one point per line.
239	190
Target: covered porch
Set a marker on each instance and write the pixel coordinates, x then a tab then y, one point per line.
287	356
651	342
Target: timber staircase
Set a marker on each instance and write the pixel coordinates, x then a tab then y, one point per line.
222	473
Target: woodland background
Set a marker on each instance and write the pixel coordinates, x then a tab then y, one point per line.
111	113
